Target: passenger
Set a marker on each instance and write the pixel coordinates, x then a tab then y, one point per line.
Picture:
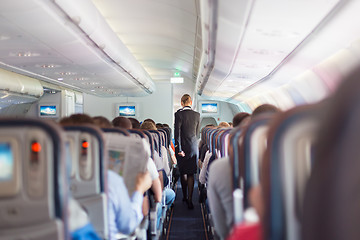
159	125
223	125
79	225
169	193
186	128
242	117
124	212
148	125
76	119
150	120
251	231
219	183
265	108
102	122
122	122
135	123
331	202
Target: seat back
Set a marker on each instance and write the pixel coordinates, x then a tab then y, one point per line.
33	180
88	174
251	152
331	205
287	165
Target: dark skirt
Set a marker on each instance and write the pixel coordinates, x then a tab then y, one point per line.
187	165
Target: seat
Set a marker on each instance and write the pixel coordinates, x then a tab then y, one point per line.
33	181
286	169
247	144
89	174
332	190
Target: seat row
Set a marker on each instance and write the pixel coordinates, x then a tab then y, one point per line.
43	167
293	174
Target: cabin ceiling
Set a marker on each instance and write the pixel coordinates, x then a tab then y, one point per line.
122	48
254	38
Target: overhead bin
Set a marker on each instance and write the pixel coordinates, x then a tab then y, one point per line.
92	23
17	89
68	43
16	83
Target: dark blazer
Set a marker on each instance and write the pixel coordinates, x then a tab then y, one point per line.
186	129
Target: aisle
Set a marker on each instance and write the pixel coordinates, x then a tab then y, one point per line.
185	223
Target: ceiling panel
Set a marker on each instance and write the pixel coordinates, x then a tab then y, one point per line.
37	39
273	30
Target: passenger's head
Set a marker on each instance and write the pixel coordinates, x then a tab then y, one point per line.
122	122
223	125
76	119
265	108
148	126
150	120
186	100
159	125
135	123
241	118
102	122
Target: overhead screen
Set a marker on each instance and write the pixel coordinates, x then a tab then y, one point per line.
48	110
209	108
6	162
9	178
127	111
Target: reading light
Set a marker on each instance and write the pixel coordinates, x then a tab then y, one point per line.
36	147
177	80
85	144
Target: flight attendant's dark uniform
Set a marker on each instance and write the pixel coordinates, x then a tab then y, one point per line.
186	128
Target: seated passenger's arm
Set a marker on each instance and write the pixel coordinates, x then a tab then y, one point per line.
161	177
156	185
156	188
125	213
220	196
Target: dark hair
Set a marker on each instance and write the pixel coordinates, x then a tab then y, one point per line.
102	122
77	119
135	123
159	125
238	118
122	122
265	108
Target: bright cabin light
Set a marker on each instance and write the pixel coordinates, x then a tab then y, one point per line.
177	80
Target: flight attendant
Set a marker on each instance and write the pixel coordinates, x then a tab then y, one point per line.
186	146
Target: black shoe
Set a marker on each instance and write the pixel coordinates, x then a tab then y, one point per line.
190	205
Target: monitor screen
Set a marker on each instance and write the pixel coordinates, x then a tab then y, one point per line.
48	110
6	162
209	108
127	111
